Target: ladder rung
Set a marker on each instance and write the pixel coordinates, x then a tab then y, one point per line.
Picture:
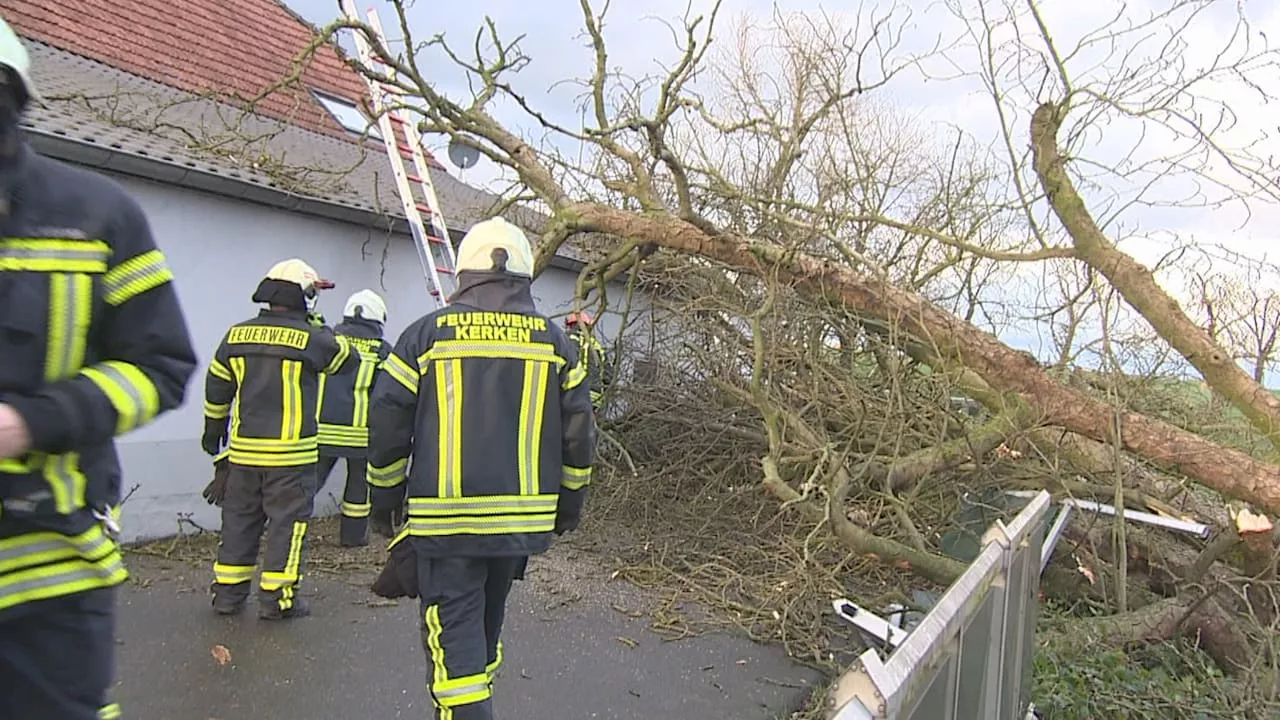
405	149
443	269
395	118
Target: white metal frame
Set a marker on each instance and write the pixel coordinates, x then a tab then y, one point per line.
390	115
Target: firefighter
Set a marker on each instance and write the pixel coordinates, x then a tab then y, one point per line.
590	352
93	344
264	380
486	406
344	412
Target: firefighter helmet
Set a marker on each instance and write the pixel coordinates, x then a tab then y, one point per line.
13	55
483	241
368	304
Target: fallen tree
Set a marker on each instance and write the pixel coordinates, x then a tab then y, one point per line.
825	293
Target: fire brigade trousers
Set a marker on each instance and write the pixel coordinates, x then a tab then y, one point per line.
355	506
57	658
464	601
280	500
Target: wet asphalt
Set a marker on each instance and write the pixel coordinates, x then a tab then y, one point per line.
576	645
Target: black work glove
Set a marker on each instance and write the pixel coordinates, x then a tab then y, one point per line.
384	521
399	577
566	522
215	433
216	491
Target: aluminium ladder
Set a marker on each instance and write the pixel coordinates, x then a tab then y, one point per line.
389	108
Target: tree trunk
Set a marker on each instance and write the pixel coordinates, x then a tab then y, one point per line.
1231	472
1207	622
1139	287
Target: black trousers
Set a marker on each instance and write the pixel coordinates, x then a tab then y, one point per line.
278	499
464	602
57	659
355	508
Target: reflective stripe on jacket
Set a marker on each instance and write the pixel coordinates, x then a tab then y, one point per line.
264	378
94	345
504	429
344	396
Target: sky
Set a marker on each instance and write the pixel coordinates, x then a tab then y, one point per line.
936	97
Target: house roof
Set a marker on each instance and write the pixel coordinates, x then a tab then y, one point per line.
238	48
102	115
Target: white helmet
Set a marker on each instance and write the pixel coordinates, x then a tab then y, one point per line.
301	274
475	252
13	55
369	304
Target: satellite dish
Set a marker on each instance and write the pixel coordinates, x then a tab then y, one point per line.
464	156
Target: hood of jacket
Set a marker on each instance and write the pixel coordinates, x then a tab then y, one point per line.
494	291
359	327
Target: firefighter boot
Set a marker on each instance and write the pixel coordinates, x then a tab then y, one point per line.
353	532
229	601
272	611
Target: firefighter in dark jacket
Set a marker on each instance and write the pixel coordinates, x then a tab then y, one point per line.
486	406
264	380
92	345
344	412
590	352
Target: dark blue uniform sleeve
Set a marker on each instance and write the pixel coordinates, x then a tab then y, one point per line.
392	406
144	350
578	446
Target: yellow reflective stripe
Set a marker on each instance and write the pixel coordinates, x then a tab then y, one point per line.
237	369
356	510
490	349
342	435
272	444
344	351
448	692
131	392
232	574
218	410
321	381
222	455
401	372
360	394
291	399
529	443
45	255
135	276
39	548
574	378
482	525
220	371
574	478
449	409
66	482
270	459
483	505
74	571
110	712
276	580
70	312
492	668
388	476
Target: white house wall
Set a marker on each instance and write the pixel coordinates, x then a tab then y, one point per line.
219	249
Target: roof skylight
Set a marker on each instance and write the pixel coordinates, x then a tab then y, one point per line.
348	115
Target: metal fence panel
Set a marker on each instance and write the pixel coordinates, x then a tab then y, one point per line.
970	657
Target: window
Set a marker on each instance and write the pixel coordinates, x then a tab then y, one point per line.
348	115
